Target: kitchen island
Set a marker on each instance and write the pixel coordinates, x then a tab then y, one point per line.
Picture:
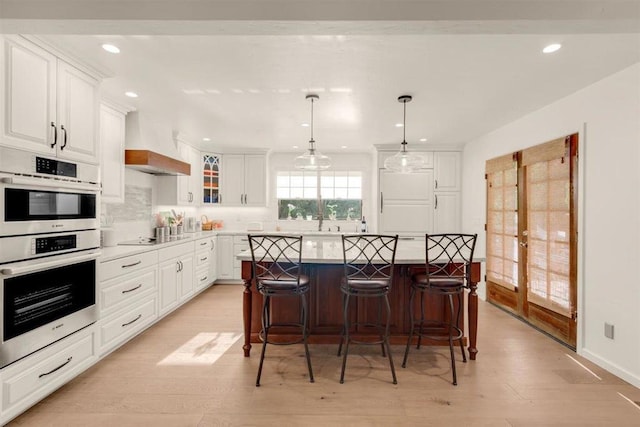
323	262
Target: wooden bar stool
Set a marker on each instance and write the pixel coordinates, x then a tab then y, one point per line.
448	272
368	273
277	268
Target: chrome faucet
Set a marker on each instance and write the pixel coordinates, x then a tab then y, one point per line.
320	219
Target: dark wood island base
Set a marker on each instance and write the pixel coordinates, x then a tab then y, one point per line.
325	307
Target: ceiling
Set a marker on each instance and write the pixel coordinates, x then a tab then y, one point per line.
243	83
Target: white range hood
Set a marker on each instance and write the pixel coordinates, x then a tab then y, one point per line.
151	148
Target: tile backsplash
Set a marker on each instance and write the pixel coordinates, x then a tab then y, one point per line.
136	207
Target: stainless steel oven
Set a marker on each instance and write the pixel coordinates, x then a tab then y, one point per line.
42	195
44	300
49	246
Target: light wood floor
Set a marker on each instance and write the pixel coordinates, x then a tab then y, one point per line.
521	378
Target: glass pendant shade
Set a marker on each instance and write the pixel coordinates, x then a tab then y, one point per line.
312	160
404	161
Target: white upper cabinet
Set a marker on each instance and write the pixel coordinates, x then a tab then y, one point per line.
406	202
183	190
112	134
447	170
446	212
49	106
244	180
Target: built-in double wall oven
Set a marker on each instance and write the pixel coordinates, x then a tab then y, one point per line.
49	245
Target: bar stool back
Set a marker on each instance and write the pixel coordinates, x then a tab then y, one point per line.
448	272
368	272
277	271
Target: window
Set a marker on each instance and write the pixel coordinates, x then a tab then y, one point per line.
340	194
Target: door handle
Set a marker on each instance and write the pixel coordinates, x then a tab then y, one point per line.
64	143
524	244
55	134
436	206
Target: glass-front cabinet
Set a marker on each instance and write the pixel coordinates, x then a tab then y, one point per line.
211	179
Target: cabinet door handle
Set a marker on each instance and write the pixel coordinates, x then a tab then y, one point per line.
55	369
131	265
436	184
204	259
177	266
203	279
132	289
64	143
436	207
55	134
213	245
133	321
203	244
220	198
381	201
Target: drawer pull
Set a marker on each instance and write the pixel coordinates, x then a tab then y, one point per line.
203	279
203	244
131	265
55	369
132	289
204	259
133	321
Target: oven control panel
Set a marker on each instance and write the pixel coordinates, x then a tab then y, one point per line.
56	167
42	245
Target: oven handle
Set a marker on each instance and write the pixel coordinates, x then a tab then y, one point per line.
35	265
43	182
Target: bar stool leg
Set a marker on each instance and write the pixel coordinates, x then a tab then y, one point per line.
265	330
347	338
464	354
451	331
386	339
406	351
422	295
305	335
380	323
342	335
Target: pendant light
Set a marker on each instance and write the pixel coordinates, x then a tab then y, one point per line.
404	161
312	160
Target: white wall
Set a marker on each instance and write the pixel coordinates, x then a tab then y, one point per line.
609	158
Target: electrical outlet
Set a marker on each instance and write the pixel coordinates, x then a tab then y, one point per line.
608	330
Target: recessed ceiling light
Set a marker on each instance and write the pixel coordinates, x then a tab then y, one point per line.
344	146
237	91
304	125
255	91
213	91
206	139
552	48
193	91
399	125
294	146
110	48
131	94
423	139
340	90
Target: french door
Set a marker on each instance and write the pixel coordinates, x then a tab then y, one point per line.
532	235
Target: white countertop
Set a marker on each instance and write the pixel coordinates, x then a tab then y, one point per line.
114	252
328	250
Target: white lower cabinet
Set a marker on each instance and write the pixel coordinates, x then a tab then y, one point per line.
225	258
205	263
126	298
240	243
27	381
175	275
128	322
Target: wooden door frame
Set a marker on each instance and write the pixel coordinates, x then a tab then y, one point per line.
542	318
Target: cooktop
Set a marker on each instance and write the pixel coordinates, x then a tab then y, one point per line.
150	241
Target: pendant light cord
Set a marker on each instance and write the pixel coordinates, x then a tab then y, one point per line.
311	119
404	126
